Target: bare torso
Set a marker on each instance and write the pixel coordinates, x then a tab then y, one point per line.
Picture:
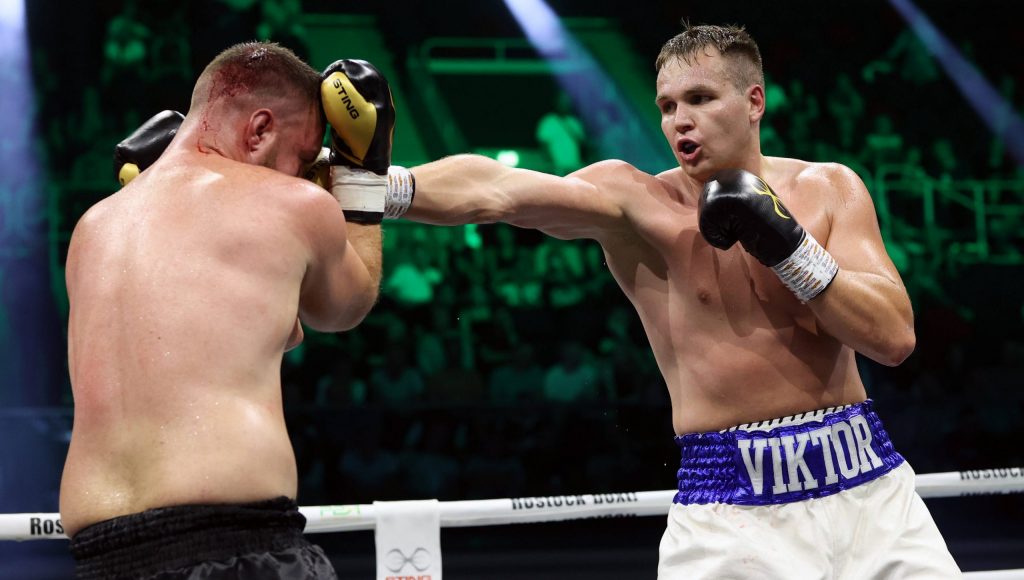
185	290
733	344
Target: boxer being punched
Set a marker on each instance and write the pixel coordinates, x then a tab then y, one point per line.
186	287
786	471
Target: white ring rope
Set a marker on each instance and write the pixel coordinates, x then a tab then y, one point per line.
520	510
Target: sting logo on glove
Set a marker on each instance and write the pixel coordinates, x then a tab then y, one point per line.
341	97
765	190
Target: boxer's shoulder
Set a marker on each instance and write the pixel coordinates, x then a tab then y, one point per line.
796	174
625	185
612	172
818	186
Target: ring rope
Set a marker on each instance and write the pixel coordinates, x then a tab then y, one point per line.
521	510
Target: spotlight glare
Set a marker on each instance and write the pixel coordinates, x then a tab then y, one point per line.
994	110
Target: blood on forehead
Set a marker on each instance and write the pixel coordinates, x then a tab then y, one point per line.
238	77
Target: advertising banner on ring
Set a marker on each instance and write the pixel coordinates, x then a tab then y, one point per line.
408	539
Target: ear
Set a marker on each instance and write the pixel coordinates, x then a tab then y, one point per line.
259	131
755	100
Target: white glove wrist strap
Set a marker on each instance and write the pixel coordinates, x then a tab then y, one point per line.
400	191
808	270
358	189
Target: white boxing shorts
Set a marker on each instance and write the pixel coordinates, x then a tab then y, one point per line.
817	495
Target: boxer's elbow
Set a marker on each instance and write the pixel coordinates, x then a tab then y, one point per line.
902	338
341	312
349	322
369	301
348	319
358	308
897	347
888	328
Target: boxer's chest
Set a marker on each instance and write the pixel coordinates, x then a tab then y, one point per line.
711	281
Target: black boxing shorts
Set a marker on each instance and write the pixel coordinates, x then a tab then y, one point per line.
254	540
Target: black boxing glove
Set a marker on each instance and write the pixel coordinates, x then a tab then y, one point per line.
145	145
357	103
737	205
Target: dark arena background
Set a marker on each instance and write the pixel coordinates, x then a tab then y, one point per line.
503	363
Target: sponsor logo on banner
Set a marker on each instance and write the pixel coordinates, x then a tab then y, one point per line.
339	511
1003	473
419	560
45	526
568	501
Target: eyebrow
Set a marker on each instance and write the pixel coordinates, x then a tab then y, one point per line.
699	88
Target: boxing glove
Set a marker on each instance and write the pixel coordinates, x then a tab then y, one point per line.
736	205
357	103
145	145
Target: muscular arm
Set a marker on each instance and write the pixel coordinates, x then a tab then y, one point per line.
866	307
474	189
343	275
365	240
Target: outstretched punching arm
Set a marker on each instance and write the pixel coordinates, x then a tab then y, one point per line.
476	189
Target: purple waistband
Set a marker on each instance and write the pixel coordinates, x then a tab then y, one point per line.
817	458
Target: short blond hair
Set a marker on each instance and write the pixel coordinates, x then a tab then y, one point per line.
732	42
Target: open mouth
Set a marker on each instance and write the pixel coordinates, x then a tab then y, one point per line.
688	148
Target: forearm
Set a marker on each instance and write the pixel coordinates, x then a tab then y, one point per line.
460	189
365	240
869	313
472	189
851	285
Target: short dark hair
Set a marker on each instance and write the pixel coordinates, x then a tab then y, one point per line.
261	69
731	41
